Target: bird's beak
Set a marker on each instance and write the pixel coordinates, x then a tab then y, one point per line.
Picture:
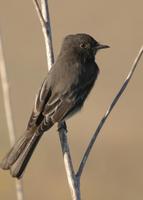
102	46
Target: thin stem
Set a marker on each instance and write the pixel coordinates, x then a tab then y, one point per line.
47	33
74	182
39	12
93	139
8	112
43	14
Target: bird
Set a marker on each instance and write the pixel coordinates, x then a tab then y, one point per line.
61	95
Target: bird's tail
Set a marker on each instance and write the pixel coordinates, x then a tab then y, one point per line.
17	159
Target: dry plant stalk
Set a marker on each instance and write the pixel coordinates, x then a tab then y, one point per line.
123	87
43	14
74	178
8	112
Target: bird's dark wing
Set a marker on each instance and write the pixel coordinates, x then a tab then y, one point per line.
58	103
40	101
61	105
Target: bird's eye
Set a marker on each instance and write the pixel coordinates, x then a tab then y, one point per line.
84	46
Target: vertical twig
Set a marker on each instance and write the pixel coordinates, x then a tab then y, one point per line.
73	180
43	14
47	33
74	183
8	112
118	95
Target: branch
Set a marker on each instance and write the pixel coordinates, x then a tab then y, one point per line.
8	112
39	12
44	18
74	182
93	139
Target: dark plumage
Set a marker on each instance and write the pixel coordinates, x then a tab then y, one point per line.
62	93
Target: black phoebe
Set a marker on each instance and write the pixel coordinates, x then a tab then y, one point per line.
62	93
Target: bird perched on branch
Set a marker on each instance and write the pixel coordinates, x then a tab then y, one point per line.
62	94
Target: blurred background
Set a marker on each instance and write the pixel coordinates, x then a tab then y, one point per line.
114	168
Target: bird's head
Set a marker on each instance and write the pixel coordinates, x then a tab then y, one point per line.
83	44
